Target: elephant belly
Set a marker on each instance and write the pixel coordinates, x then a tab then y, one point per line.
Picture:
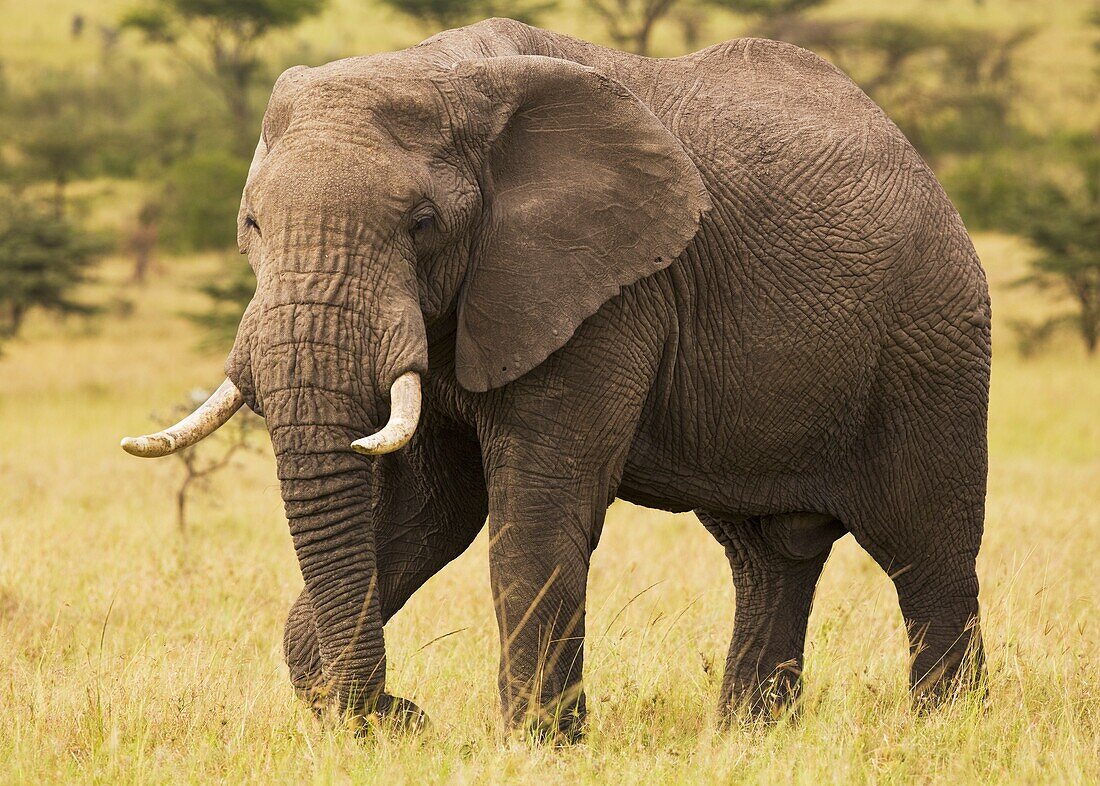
757	426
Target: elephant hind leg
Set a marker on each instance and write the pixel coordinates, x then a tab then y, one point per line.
915	498
931	560
301	651
776	562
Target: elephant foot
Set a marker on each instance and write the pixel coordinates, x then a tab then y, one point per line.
557	728
945	686
555	735
948	666
391	714
769	701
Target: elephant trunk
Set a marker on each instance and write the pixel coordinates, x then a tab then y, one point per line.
319	371
326	492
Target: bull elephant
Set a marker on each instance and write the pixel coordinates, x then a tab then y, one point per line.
554	274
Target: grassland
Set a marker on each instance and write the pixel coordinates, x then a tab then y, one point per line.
133	652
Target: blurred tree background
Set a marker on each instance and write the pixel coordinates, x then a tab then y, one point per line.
126	126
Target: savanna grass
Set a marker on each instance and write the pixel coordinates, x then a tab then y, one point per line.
134	652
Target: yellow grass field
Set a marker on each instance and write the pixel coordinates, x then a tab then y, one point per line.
132	652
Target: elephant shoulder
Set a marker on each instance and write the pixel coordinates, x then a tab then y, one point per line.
761	53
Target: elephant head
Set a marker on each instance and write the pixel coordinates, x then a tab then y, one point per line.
512	195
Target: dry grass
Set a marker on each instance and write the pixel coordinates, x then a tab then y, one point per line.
133	654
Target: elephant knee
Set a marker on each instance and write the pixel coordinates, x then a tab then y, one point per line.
300	649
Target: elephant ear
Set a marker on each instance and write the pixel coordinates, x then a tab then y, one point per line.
585	192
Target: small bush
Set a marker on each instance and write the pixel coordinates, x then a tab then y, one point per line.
202	193
43	257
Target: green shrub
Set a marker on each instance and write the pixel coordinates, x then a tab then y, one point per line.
43	257
202	193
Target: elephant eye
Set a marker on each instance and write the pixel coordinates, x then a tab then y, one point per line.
250	221
422	223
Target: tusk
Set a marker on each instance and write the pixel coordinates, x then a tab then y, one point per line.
204	421
404	415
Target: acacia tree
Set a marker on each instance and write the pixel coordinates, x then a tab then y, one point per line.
43	258
630	23
1063	223
220	40
951	88
444	14
201	463
58	126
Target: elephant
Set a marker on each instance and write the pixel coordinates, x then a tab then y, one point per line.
509	276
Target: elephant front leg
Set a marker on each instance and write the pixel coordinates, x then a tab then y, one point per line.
543	528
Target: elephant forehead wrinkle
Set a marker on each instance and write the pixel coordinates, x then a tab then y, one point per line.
322	177
378	86
321	288
386	114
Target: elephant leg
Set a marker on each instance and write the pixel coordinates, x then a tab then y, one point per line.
776	561
554	445
937	587
548	497
917	506
542	535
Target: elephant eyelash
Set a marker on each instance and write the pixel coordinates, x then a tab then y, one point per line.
422	223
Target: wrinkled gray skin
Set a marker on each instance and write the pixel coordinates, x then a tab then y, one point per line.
723	282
